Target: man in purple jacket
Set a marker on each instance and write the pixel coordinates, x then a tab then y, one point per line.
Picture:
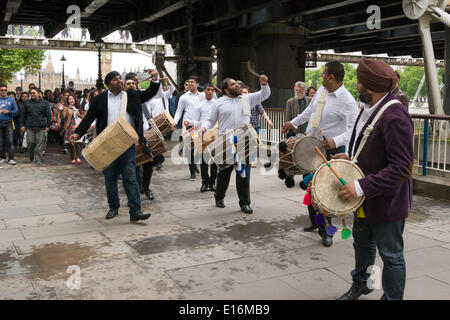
386	161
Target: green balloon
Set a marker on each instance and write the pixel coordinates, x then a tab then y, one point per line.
346	233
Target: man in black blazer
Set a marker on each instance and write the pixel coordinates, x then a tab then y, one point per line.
105	108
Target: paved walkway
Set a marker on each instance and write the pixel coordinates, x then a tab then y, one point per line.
52	217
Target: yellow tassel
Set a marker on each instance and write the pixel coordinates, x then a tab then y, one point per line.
14	128
360	213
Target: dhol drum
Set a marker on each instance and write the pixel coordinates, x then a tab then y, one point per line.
164	122
325	187
209	136
110	144
234	146
300	156
156	143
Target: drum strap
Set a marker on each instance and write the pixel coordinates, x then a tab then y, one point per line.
123	106
245	108
145	111
319	110
369	129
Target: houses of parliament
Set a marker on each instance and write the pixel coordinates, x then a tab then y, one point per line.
51	79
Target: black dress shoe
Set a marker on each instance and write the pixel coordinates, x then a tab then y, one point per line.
247	209
139	216
112	213
310	228
356	291
212	187
149	194
204	188
220	204
327	241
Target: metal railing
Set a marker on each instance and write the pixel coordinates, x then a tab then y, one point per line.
431	142
431	153
276	115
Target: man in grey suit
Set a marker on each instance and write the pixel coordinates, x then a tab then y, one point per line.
295	106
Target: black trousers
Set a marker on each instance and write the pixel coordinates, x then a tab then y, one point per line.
208	179
242	185
147	174
388	238
189	152
312	213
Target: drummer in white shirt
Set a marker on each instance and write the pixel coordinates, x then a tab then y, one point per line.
187	104
338	117
200	114
229	112
160	102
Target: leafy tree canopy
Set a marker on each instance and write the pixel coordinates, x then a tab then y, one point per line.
13	60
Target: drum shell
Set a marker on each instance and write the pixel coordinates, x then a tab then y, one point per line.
201	142
301	157
156	143
220	148
325	187
110	144
164	122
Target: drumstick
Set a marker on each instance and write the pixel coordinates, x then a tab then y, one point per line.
329	166
323	135
251	70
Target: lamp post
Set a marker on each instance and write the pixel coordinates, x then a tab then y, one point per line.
21	80
63	86
99	44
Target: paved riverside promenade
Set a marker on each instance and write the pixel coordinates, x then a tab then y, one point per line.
52	217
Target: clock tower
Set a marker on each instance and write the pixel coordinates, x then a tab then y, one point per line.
106	62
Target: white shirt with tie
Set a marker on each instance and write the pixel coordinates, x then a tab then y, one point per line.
367	112
338	116
228	111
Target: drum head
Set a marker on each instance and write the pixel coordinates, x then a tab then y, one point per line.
325	187
305	156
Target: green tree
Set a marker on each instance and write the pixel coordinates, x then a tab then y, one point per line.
410	79
13	60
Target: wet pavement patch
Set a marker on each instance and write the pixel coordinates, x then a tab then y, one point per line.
250	232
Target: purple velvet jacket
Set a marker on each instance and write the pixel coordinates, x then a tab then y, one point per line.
387	160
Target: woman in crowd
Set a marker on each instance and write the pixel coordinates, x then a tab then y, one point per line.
310	92
72	115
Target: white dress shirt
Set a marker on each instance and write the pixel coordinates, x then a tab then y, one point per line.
228	111
187	103
114	103
202	111
367	112
338	117
164	95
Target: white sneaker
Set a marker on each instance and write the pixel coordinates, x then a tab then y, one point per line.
2	160
12	162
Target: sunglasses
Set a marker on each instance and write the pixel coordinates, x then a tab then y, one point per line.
3	90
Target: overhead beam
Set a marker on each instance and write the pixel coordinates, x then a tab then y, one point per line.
12	6
393	61
53	44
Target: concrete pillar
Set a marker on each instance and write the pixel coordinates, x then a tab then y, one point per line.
447	72
201	69
280	55
276	50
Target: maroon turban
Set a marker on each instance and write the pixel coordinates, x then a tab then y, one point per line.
376	75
